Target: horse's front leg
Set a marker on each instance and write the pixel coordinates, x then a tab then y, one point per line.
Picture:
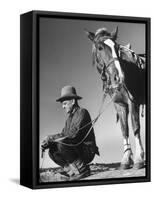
139	153
122	112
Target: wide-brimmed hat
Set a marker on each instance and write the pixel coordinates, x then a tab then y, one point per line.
68	92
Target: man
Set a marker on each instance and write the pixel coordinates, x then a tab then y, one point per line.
75	147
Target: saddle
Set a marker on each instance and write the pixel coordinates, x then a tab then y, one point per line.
127	54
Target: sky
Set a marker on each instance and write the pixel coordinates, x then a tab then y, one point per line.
66	59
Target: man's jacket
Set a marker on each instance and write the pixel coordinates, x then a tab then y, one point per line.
76	128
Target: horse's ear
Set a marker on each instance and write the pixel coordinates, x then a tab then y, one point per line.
128	46
90	35
114	33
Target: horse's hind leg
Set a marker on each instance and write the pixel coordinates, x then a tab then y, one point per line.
139	154
122	112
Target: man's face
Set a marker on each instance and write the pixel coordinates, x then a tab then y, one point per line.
68	105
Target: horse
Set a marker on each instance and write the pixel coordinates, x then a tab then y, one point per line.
124	81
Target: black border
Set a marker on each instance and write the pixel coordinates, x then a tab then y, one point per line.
32	175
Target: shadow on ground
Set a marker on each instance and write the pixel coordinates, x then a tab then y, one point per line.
15	180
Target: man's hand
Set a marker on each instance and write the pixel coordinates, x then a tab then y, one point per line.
45	144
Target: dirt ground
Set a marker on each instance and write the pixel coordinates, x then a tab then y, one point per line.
98	171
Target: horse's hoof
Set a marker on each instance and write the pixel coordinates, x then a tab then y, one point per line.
125	166
139	165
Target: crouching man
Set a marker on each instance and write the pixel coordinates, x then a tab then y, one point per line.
75	147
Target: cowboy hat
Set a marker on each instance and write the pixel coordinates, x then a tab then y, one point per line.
68	92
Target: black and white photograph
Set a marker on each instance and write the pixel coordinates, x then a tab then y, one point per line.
92	99
76	99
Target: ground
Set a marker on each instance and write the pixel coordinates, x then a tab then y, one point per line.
98	171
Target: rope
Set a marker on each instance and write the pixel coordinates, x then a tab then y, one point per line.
43	158
93	123
128	93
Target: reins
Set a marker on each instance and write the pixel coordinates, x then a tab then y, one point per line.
123	84
100	112
91	122
43	158
111	61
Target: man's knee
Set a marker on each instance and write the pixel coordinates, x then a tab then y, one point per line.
61	147
57	157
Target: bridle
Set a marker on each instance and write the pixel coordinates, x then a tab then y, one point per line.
108	86
104	74
112	60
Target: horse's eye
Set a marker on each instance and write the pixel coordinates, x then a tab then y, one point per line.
100	48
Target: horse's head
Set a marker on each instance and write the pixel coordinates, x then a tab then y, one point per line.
105	56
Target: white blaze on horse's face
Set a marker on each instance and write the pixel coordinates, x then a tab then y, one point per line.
111	44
